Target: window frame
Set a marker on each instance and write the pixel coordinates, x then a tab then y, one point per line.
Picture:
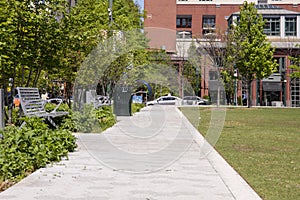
273	24
210	25
184	21
289	25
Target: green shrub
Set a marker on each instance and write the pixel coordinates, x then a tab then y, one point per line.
85	121
136	107
62	107
105	117
89	120
15	115
22	151
206	97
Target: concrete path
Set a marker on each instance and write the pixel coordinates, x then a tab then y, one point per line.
154	155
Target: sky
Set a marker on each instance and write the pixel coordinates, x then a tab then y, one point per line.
140	3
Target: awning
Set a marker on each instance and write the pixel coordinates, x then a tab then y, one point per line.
272	86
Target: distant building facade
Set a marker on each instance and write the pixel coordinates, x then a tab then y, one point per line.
172	25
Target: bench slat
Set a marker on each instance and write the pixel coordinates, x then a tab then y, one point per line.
33	105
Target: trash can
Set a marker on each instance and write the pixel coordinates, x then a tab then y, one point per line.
122	101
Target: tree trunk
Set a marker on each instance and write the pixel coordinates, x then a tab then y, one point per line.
37	76
29	77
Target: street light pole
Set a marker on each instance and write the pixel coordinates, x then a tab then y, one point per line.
235	86
197	81
182	50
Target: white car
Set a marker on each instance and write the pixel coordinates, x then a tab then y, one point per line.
194	100
164	100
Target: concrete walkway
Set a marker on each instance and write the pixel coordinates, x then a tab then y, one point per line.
154	155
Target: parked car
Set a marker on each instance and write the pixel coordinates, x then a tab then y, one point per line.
164	100
194	100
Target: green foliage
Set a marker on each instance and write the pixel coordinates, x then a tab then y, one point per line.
296	66
92	47
61	120
296	71
30	40
14	116
105	117
89	120
158	71
113	60
136	107
40	42
85	121
206	97
253	54
62	107
22	151
191	70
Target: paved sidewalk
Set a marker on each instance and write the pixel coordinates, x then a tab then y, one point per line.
154	155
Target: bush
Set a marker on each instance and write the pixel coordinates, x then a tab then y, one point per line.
22	151
105	117
89	119
136	107
206	97
82	121
63	107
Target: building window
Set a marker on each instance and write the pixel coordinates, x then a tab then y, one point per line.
272	26
262	1
184	34
184	21
290	26
213	75
295	92
208	24
281	61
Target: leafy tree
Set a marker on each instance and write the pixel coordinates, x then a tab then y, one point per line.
253	54
90	32
30	37
45	40
217	48
29	41
191	70
295	66
7	42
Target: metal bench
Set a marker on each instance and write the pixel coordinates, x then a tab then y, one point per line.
97	100
33	105
102	101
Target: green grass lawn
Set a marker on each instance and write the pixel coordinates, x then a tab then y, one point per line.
263	145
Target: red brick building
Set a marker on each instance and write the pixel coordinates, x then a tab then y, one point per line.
171	23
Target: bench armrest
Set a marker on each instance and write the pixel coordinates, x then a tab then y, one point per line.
56	100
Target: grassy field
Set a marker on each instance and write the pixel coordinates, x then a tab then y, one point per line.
263	145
